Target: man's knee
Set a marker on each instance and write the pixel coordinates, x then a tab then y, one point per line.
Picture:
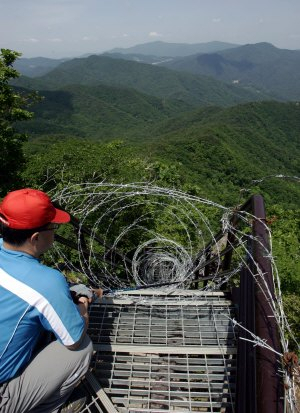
67	363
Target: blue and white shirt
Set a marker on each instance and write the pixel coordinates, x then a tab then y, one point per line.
33	298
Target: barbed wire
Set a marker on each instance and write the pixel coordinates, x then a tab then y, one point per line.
156	233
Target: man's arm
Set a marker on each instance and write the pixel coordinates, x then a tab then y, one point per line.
83	303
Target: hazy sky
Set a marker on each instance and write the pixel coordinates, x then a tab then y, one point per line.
64	28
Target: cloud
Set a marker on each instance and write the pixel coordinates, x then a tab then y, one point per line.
55	40
154	34
119	36
31	40
216	20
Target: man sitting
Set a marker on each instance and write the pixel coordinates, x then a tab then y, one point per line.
35	299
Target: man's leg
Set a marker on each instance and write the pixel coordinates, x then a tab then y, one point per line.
48	380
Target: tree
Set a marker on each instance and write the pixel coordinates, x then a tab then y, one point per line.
13	104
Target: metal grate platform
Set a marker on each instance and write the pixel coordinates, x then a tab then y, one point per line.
154	357
181	382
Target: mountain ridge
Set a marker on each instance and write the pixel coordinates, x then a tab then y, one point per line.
165	49
236	145
153	80
262	66
98	112
222	150
38	66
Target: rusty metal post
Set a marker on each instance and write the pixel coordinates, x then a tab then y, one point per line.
270	391
246	401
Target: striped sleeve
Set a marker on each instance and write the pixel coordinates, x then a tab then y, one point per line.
59	315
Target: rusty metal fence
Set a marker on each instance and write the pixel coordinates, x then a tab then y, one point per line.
259	387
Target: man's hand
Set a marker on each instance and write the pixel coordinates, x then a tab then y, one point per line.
81	290
98	292
82	305
84	300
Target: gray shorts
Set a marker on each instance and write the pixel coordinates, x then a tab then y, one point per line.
49	379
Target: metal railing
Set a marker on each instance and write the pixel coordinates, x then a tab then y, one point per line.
259	385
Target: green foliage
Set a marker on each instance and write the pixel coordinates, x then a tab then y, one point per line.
285	227
77	160
291	303
12	104
224	151
285	230
99	112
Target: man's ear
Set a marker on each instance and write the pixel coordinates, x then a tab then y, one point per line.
34	237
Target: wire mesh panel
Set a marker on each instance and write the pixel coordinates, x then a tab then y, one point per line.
92	406
155	382
93	403
162	325
155	356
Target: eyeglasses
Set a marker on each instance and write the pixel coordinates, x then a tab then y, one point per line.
50	228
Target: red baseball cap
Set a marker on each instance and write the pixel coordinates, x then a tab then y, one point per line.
29	208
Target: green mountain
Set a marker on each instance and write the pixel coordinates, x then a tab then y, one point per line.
139	58
192	122
163	49
263	66
156	81
224	150
36	66
220	153
98	112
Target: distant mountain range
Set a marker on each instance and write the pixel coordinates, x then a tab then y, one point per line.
163	49
261	65
146	53
37	66
209	115
140	58
148	79
261	69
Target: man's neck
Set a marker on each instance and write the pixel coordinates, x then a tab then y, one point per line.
20	248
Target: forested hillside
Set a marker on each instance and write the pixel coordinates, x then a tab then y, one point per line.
231	148
99	112
152	80
263	66
219	151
